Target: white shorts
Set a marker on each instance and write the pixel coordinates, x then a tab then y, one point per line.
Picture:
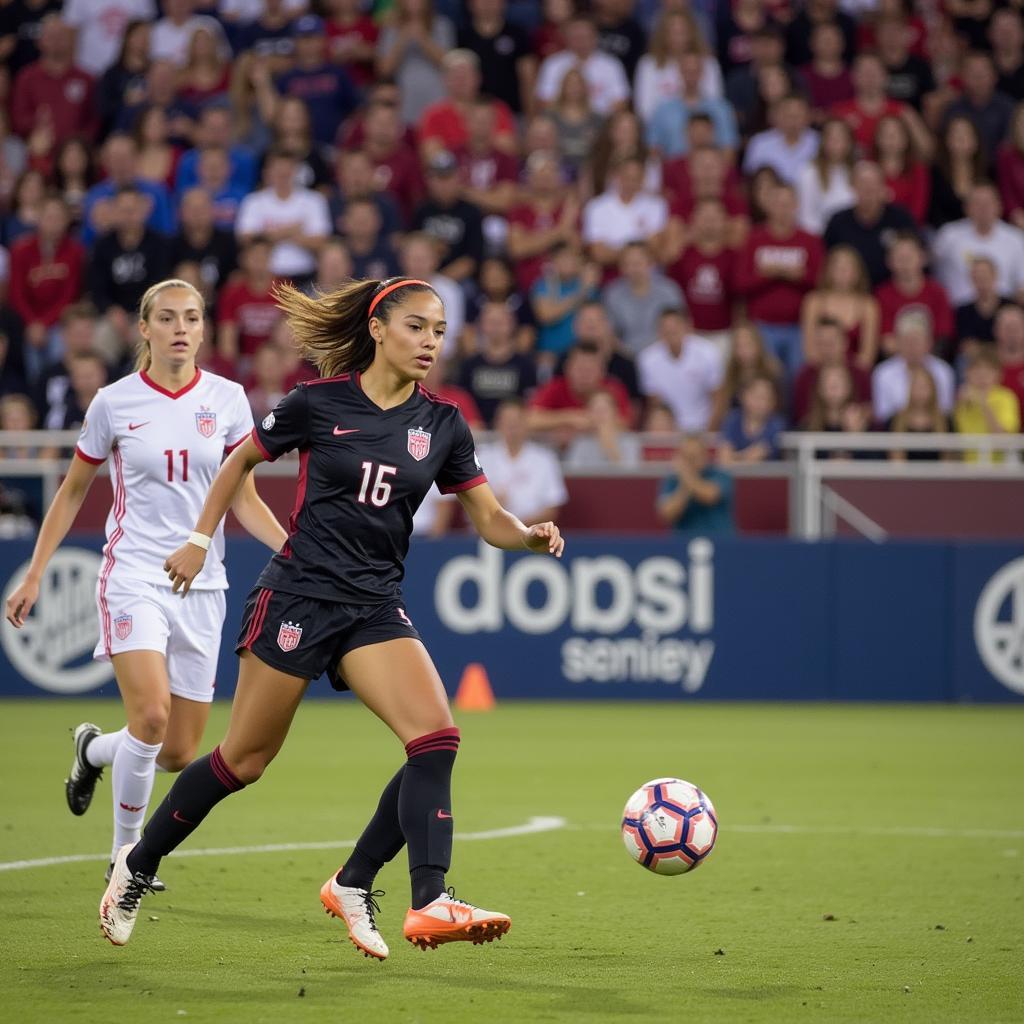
139	616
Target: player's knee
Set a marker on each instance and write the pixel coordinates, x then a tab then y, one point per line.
249	768
174	761
433	721
149	724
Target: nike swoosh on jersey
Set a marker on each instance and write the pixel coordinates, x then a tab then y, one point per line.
442	815
135	426
340	433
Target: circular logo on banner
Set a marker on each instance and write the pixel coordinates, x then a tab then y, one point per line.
999	625
63	628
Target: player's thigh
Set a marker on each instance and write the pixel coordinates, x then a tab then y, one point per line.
185	727
398	682
265	703
145	691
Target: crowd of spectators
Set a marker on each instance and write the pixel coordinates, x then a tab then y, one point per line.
701	216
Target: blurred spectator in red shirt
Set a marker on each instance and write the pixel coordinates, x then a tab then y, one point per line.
1009	332
549	37
53	99
266	384
443	125
777	267
706	272
561	405
704	174
351	39
489	175
827	346
827	77
870	104
395	162
46	273
547	217
247	310
909	287
906	176
1010	170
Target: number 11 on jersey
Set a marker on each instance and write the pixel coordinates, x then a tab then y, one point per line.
380	495
183	455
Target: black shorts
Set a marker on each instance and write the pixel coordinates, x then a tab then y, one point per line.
305	636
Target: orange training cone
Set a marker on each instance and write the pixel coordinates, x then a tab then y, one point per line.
474	692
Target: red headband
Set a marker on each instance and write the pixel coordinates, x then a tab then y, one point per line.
390	288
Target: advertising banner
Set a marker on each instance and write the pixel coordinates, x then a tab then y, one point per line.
620	618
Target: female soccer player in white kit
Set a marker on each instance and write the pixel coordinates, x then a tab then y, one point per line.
165	430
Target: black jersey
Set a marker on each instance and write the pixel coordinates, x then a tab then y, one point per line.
363	472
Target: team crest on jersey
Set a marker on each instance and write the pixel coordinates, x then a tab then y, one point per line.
288	636
123	627
206	421
419	444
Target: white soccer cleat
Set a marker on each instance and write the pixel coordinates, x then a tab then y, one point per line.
447	919
356	907
120	904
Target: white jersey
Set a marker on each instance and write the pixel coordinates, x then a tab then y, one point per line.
165	449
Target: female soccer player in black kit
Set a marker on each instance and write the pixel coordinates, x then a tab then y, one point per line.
371	442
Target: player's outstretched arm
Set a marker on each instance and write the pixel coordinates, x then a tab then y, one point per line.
501	529
187	562
56	523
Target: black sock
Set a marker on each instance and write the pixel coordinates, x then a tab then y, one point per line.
424	811
380	842
196	791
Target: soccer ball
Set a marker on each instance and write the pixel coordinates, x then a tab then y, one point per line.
669	826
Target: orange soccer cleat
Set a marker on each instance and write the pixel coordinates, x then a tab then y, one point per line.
447	919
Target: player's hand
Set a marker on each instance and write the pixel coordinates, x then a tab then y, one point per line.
20	603
184	566
545	537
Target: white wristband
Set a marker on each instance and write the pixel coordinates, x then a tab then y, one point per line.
200	540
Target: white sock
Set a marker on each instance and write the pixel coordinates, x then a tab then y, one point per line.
102	748
132	775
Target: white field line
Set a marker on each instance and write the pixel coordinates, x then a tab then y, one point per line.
909	831
531	827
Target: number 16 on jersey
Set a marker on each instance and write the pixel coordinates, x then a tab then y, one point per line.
380	494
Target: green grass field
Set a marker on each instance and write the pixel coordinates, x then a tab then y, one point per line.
869	868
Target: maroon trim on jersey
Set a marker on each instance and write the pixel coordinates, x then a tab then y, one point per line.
455	488
431	397
259	444
171	394
300	497
259	613
229	448
88	458
327	380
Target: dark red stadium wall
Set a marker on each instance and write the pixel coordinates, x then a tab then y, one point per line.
948	509
944	509
600	504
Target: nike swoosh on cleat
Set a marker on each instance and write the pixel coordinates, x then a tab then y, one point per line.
177	817
340	433
135	426
441	814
